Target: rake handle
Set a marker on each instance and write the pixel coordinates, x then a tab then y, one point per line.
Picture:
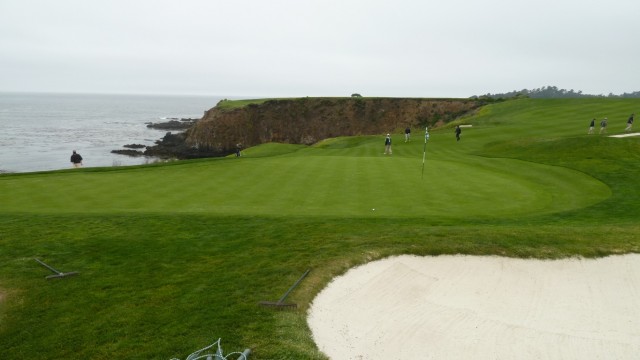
293	287
49	267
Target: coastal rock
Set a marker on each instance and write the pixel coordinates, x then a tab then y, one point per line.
128	152
174	124
175	146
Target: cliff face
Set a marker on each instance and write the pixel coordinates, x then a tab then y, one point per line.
308	120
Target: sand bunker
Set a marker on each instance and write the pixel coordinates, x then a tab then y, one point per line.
470	307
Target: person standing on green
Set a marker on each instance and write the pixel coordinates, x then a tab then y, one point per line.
603	126
629	123
387	145
458	132
76	159
592	125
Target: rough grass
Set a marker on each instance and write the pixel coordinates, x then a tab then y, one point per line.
171	257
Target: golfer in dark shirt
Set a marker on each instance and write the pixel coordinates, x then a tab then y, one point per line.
76	159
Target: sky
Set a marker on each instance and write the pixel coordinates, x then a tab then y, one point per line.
296	48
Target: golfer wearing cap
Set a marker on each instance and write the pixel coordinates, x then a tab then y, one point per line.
603	126
387	145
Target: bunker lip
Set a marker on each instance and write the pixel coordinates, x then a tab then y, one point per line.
481	307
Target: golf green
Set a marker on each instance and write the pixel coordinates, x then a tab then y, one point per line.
310	185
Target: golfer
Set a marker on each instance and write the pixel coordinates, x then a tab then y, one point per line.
387	145
629	123
76	159
592	125
458	132
603	126
407	134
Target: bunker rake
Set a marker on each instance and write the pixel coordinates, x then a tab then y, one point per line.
280	304
58	274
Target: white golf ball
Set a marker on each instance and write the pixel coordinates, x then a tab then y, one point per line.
373	209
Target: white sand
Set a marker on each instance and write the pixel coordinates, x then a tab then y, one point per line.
625	135
470	307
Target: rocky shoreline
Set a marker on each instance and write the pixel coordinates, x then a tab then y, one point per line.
171	145
174	124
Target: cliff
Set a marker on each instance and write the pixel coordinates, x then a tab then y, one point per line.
309	120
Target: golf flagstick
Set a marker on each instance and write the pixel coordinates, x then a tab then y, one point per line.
424	151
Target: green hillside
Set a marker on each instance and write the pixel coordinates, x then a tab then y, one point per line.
172	257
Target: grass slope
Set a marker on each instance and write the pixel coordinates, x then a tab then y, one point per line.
174	256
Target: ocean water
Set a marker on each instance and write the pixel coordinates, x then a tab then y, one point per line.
39	131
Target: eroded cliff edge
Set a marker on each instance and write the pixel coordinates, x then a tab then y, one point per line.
307	121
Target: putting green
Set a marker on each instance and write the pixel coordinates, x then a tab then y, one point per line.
309	185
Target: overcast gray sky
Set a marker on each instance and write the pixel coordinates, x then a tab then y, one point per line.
246	48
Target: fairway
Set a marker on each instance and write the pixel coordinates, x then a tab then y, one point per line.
173	256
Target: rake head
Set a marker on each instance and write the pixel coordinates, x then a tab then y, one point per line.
61	275
278	305
57	274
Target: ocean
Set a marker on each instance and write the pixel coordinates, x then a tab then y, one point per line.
40	131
